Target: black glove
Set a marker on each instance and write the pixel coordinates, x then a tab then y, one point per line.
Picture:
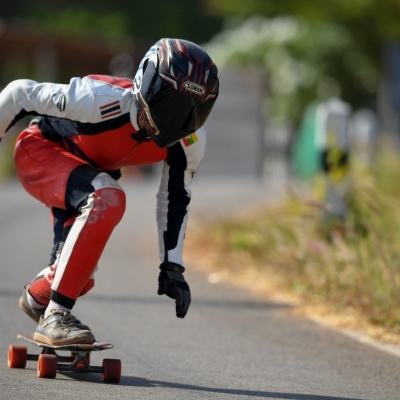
172	283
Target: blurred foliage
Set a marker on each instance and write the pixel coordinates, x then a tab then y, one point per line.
302	61
7	165
348	264
136	24
308	49
145	21
85	22
369	21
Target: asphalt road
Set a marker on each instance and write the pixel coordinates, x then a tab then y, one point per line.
231	345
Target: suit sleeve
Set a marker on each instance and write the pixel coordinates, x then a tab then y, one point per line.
27	97
174	195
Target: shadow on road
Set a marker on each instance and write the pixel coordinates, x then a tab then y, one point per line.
148	383
226	304
254	305
134	381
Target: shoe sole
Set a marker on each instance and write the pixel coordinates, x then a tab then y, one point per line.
78	339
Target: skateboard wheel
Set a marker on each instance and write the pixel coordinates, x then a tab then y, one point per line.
17	356
47	366
112	370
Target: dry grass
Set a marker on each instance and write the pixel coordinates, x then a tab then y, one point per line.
346	273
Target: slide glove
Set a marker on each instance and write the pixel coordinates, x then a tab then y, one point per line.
172	283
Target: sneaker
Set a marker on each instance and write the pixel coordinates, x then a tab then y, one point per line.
36	313
59	329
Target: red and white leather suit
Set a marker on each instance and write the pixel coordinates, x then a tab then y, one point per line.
68	160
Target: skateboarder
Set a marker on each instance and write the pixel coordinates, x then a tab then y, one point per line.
70	157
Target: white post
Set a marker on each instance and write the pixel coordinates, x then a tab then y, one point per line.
333	141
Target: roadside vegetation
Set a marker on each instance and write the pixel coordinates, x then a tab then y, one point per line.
7	166
348	271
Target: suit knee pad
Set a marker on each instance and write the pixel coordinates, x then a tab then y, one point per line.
88	236
40	287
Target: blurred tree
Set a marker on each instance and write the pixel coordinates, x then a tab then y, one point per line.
55	40
146	21
309	49
302	60
374	18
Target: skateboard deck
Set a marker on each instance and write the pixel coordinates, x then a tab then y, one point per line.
49	362
96	346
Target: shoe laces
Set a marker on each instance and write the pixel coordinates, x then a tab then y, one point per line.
65	318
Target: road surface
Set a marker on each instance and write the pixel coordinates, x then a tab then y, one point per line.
231	345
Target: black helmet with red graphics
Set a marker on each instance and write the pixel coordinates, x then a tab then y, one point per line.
175	88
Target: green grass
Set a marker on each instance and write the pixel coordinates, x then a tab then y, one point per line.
7	144
7	166
353	263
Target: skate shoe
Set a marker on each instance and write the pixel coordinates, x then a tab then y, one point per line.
35	313
59	329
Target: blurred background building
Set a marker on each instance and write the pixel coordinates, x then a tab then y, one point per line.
278	61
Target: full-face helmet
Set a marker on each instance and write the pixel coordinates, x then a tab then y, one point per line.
175	89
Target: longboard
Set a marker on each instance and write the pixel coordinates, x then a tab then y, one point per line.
49	362
96	346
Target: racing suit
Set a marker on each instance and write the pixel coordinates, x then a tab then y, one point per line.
70	159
